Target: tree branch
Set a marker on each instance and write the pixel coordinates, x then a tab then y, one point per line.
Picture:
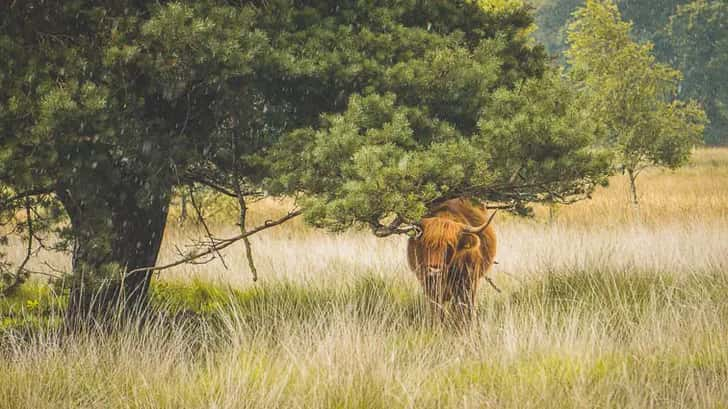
198	212
20	273
214	186
394	227
221	244
243	216
24	195
201	179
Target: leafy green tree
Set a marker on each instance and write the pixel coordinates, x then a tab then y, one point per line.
649	19
552	18
631	94
698	39
107	107
385	162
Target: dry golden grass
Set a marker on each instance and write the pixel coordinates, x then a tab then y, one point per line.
697	192
682	225
599	309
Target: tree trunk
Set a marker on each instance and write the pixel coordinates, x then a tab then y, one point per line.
111	237
633	187
633	191
183	209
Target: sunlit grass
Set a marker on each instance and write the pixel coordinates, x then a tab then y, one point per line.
583	339
601	307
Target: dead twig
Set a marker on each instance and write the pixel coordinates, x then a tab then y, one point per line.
21	273
221	244
201	218
492	284
240	195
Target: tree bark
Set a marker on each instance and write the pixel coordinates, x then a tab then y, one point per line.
118	235
633	187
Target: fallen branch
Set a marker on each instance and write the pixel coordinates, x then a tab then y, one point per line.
220	244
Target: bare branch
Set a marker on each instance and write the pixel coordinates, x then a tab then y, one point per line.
42	273
221	244
199	177
240	195
54	269
243	215
20	272
201	218
395	227
492	284
214	186
24	195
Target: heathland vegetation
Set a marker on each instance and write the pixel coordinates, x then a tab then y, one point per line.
154	159
598	309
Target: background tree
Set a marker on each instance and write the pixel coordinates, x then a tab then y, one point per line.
630	93
698	39
649	18
107	107
688	34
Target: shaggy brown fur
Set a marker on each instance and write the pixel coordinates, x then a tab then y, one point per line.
448	261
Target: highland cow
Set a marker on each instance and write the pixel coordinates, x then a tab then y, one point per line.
456	248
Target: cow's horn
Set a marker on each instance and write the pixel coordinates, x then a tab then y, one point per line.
478	229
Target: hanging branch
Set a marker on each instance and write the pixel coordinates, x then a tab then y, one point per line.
208	232
243	214
221	244
240	196
395	227
21	274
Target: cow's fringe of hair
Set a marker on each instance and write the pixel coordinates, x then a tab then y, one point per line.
439	231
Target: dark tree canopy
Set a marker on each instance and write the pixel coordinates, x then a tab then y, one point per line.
370	110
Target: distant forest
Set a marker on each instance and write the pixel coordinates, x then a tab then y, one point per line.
692	36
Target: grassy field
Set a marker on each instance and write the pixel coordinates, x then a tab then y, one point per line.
601	307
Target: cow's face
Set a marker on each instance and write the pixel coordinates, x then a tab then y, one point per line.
446	245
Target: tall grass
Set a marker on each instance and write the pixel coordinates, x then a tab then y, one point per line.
584	339
599	309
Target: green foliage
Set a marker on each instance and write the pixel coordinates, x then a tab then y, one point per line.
649	19
106	108
371	110
689	34
33	307
698	38
448	123
630	93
